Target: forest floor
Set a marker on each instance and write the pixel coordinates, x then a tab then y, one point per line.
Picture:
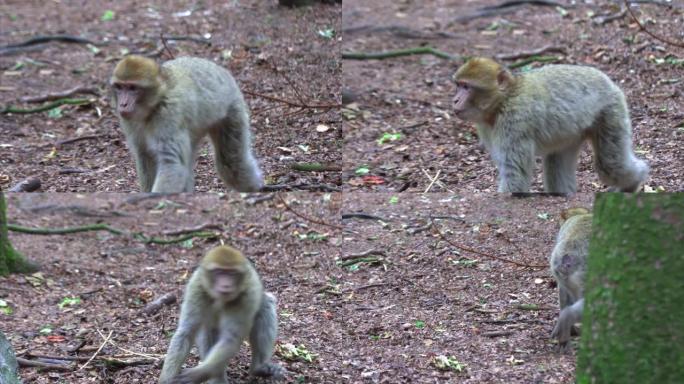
399	129
289	54
379	302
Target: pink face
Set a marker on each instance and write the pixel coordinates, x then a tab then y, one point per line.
463	93
127	98
225	283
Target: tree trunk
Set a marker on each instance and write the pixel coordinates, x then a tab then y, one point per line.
633	325
10	260
8	363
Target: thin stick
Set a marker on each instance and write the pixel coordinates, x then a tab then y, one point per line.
59	95
533	52
107	340
282	200
290	103
46	107
432	181
664	40
427	50
98	350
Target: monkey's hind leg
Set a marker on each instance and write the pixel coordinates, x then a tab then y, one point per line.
262	339
614	159
232	142
560	169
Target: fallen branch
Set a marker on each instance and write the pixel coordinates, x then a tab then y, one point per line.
463	248
664	40
76	139
158	240
497	333
199	40
426	50
60	95
32	363
301	186
533	52
154	306
401	32
49	38
292	103
539	59
197	228
361	215
353	256
603	19
62	231
28	185
316	167
46	107
506	7
289	208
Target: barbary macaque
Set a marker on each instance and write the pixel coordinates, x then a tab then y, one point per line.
224	304
568	266
549	112
165	113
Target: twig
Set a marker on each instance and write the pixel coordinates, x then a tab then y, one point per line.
540	59
664	40
302	186
533	52
426	50
48	38
316	167
62	231
361	215
154	306
432	181
98	350
600	20
157	240
199	40
46	107
198	228
359	255
291	103
461	247
77	139
497	333
59	95
506	7
28	185
32	363
128	351
311	219
401	32
163	41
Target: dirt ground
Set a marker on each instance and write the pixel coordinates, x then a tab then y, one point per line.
377	303
274	51
412	96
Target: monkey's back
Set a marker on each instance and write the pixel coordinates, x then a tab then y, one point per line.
569	256
557	102
210	86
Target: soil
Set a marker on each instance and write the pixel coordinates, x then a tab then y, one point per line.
411	96
382	319
271	50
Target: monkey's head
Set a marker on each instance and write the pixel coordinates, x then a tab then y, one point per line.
481	85
570	212
225	269
137	86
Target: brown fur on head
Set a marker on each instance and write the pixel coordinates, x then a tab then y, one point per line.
482	84
225	257
570	212
138	69
226	273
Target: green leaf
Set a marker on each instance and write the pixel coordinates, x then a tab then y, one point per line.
69	301
108	15
420	324
388	137
46	330
327	33
187	244
394	200
362	171
5	308
448	363
55	113
543	216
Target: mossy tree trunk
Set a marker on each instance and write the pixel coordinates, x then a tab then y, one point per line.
633	325
10	260
8	362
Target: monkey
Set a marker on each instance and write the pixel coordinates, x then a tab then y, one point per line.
165	112
568	266
549	112
224	303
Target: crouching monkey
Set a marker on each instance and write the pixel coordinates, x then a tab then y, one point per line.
224	304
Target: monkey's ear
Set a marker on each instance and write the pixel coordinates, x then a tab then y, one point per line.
504	79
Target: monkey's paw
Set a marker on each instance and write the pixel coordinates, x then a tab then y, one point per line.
271	370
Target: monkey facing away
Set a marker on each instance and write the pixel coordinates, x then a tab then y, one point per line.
224	304
165	112
549	112
568	265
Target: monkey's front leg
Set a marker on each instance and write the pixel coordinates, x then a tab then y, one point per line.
174	159
566	320
515	162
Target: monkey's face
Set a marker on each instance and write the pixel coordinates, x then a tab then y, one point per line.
129	99
226	283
